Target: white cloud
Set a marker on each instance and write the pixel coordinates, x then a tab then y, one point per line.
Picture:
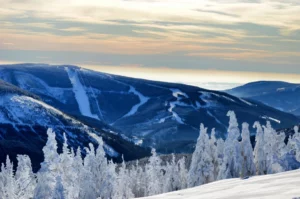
284	14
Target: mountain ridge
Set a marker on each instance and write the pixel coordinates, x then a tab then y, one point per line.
282	95
162	115
24	121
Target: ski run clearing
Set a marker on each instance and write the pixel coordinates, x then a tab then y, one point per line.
280	185
80	94
142	98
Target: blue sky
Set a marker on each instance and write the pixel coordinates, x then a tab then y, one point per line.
225	35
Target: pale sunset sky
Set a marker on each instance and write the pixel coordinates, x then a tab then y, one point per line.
189	41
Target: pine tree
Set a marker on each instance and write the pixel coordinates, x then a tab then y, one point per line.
138	180
248	166
259	152
154	175
275	148
59	189
171	178
67	172
77	167
293	146
24	178
123	190
231	166
7	181
202	168
99	174
220	156
87	177
183	174
214	153
49	169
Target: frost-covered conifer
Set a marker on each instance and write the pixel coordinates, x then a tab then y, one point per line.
7	181
293	146
220	156
183	174
214	153
123	189
259	152
98	176
25	180
202	168
49	169
171	176
275	148
59	190
248	166
68	176
231	166
154	175
138	180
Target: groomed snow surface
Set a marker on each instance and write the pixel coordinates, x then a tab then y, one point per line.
275	186
80	94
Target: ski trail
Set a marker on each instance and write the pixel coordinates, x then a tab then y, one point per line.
142	98
80	94
177	94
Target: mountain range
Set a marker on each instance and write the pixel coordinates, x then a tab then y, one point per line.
282	95
130	114
25	118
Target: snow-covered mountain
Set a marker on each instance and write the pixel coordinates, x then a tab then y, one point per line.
281	95
161	115
280	185
24	120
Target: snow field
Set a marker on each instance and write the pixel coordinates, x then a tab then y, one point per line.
275	186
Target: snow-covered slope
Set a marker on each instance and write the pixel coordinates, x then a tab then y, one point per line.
281	95
24	120
277	186
80	94
157	114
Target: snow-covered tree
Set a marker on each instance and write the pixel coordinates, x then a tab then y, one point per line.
202	167
123	190
59	189
259	152
68	175
98	175
231	166
183	174
7	181
220	156
274	148
25	180
49	169
138	180
171	176
248	166
293	146
213	143
77	167
154	175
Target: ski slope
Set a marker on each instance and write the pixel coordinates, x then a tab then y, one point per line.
276	186
142	98
80	94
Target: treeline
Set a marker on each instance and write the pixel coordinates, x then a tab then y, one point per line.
69	176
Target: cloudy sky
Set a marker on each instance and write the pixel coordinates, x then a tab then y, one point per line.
255	38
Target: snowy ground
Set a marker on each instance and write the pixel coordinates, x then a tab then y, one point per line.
281	186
